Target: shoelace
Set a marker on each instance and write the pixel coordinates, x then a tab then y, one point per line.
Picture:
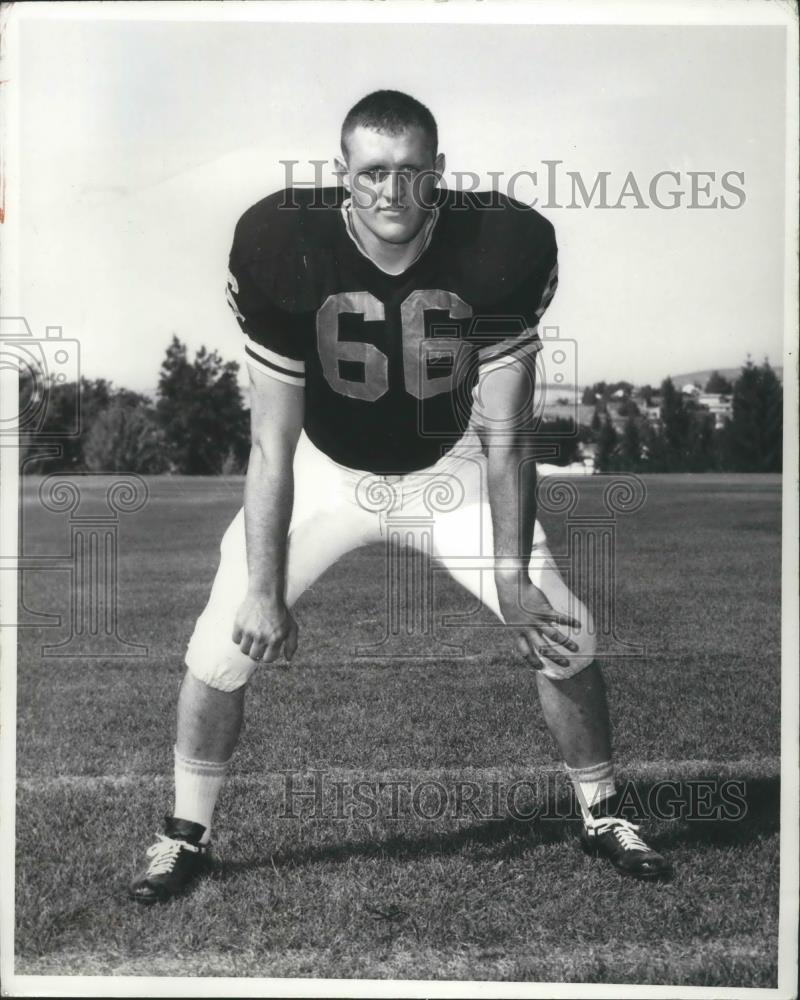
165	854
624	832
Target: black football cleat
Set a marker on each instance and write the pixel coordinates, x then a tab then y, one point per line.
174	862
617	840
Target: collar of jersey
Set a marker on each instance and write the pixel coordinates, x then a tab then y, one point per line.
430	224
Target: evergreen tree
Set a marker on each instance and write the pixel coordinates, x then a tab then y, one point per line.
630	451
675	425
701	443
653	450
754	436
606	447
719	384
200	411
772	427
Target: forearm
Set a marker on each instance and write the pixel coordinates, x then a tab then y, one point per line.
268	499
512	500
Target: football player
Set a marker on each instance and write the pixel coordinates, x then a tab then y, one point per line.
390	331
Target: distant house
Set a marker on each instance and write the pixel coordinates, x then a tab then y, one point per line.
719	405
653	411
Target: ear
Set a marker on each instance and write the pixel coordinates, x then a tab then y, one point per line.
341	169
438	164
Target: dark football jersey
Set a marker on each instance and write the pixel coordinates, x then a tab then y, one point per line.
389	362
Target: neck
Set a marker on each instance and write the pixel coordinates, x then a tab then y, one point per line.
391	257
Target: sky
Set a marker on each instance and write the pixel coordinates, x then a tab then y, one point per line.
141	143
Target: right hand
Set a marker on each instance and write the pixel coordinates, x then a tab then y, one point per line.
264	627
526	607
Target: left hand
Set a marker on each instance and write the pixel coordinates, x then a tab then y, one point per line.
526	609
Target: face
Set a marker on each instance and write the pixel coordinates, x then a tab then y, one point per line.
392	181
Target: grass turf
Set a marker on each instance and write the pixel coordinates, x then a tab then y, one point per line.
394	894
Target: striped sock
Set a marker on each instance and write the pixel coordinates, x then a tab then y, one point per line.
593	785
197	786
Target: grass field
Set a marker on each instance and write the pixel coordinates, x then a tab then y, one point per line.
397	895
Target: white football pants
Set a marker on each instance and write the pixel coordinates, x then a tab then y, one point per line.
337	509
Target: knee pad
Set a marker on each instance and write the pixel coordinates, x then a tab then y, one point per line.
212	656
215	659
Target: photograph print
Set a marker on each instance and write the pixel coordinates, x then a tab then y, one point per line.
399	564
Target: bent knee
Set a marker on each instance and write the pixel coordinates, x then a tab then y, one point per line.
225	669
585	655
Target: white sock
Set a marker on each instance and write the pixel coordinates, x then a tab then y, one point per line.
197	786
592	785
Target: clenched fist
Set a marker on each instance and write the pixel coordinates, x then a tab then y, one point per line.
264	628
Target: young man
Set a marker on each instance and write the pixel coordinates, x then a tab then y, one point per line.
390	334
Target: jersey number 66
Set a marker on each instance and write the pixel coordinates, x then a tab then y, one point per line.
418	350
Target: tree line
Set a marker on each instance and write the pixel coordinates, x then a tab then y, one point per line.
685	437
198	424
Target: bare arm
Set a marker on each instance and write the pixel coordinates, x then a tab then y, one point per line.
506	395
263	624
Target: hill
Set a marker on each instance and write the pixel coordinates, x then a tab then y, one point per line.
701	377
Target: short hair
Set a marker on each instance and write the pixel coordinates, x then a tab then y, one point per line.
390	112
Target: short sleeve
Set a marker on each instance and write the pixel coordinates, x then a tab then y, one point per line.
274	342
509	330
